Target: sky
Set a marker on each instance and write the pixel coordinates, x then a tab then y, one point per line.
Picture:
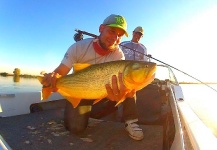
35	34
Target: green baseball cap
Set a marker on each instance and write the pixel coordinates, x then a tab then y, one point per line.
117	21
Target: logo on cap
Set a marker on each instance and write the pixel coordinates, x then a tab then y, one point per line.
119	20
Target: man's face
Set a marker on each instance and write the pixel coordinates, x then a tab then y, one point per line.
137	36
110	37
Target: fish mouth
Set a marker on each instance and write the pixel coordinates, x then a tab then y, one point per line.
152	67
153	70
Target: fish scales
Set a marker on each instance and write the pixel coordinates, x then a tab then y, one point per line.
89	82
93	78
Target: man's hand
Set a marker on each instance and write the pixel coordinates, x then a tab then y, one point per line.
50	80
117	94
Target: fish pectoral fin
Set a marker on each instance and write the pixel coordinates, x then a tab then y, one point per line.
120	101
46	92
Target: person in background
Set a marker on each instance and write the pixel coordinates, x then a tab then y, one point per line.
134	50
102	49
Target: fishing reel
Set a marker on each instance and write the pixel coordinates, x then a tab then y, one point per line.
78	36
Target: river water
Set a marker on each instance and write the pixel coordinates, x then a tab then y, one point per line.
11	85
202	99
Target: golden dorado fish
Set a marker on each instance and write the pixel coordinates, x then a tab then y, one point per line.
88	81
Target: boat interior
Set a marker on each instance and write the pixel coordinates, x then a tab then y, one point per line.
29	123
44	128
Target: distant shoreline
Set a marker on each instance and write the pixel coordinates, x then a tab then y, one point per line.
21	75
197	83
4	74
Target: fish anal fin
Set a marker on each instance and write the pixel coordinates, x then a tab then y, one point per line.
74	101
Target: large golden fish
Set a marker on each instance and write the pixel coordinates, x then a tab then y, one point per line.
88	81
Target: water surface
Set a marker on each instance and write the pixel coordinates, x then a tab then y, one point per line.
11	85
203	101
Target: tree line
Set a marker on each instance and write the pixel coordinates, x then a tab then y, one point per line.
17	73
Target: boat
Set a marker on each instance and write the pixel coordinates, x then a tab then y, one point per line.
168	123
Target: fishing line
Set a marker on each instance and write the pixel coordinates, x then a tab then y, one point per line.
170	67
95	36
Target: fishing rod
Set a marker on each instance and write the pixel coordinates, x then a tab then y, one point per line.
95	36
79	36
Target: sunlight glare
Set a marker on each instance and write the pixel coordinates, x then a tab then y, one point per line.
193	41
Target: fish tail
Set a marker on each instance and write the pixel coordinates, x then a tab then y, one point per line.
46	91
40	78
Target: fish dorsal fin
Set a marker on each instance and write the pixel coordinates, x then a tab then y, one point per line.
80	66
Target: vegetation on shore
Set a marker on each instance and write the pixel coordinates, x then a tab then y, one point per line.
4	74
17	73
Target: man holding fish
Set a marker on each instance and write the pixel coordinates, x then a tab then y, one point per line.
102	50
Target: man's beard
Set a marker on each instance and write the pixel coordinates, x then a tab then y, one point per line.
110	48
